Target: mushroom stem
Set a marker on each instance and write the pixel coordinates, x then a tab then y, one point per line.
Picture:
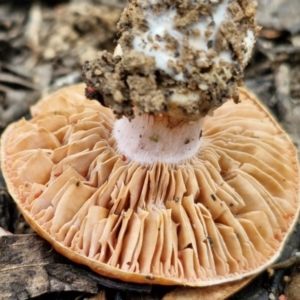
147	139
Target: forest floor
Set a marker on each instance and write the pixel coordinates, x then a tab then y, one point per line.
43	45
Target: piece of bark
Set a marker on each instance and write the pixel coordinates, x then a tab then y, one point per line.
29	268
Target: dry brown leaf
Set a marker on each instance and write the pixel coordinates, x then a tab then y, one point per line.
99	296
220	292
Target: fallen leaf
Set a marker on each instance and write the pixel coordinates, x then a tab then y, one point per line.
217	292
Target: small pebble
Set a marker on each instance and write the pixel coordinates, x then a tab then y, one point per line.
271	296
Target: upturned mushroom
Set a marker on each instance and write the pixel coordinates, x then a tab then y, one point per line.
177	176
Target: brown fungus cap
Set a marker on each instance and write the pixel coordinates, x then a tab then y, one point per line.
184	58
219	216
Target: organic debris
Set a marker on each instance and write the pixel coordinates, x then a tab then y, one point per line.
42	47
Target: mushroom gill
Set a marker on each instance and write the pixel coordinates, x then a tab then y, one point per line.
218	216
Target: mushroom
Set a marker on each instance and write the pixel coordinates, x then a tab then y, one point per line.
165	179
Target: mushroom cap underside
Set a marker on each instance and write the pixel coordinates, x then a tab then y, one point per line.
220	216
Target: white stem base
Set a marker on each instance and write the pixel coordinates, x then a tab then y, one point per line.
147	139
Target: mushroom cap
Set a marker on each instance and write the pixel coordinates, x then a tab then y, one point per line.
220	216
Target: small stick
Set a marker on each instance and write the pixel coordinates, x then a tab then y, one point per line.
284	264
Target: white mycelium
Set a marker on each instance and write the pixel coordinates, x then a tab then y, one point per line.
152	44
249	42
149	43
